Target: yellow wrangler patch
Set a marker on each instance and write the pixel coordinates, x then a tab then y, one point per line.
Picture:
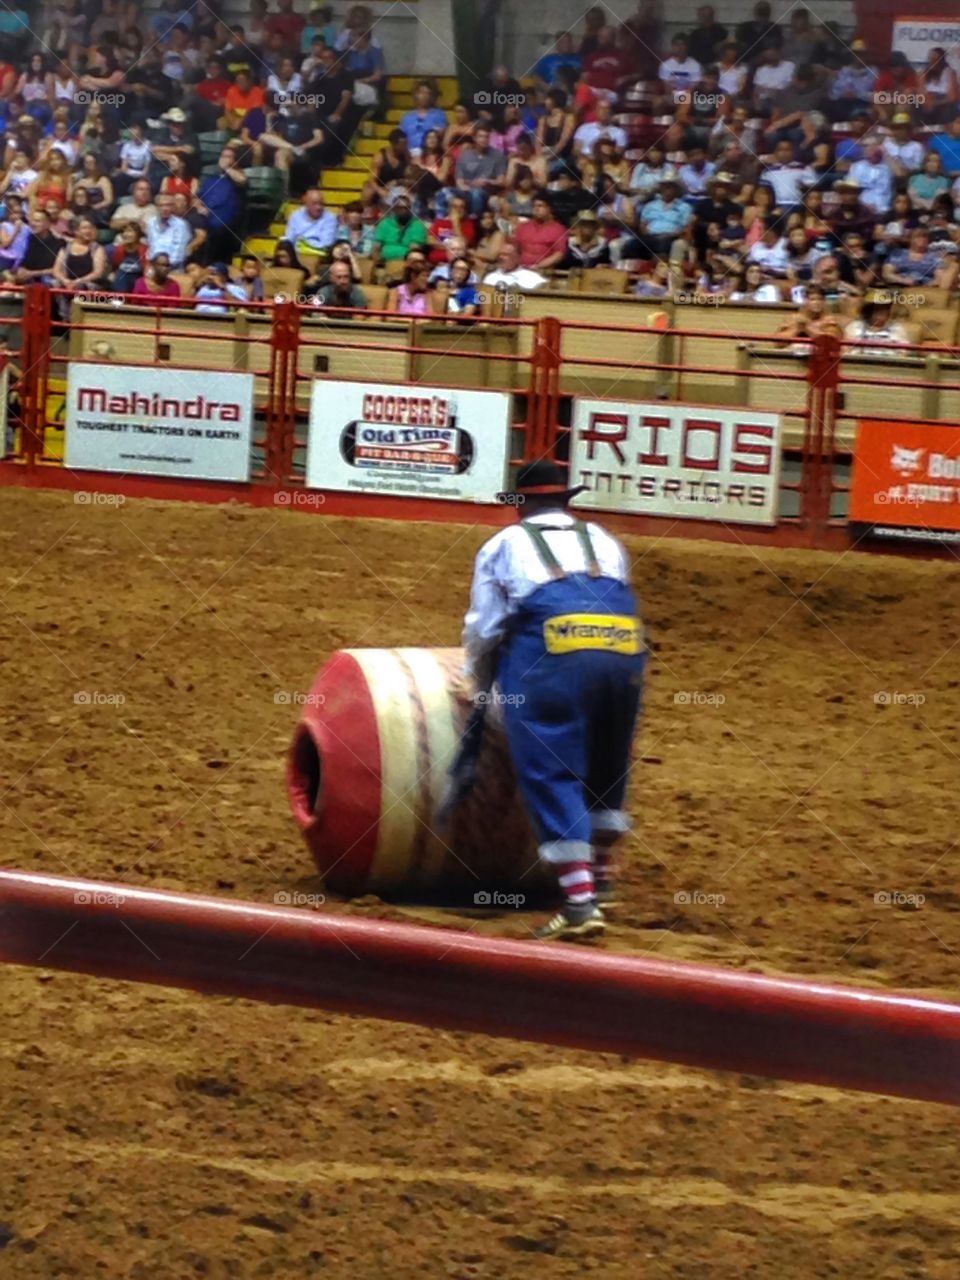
613	633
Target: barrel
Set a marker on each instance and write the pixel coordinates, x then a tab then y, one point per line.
367	770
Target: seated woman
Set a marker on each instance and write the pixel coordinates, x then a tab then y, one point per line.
521	195
490	241
810	320
14	233
128	257
588	247
526	157
555	130
923	188
876	328
606	158
35	89
81	263
412	297
52	181
463	300
97	185
388	168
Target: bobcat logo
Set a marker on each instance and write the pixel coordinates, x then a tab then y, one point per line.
906	461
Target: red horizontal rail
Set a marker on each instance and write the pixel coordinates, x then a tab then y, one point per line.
702	1016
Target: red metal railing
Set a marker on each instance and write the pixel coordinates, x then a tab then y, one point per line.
544	363
699	1015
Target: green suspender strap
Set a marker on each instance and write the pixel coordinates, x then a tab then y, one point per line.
550	561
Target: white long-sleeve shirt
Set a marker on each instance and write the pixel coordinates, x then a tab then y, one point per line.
508	568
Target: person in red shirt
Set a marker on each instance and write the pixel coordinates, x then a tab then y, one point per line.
242	96
286	24
212	94
456	223
542	241
895	84
607	68
157	286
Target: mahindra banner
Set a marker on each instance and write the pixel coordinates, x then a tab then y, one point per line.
422	442
684	461
159	422
906	480
915	37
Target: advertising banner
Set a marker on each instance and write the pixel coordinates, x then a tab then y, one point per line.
916	36
159	421
688	462
424	442
906	480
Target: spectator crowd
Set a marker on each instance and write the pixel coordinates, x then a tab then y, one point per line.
764	162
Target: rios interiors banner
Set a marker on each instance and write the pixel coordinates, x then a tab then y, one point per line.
688	462
409	441
159	422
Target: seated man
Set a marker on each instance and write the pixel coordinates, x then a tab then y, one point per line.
509	274
312	228
341	291
542	240
918	264
664	220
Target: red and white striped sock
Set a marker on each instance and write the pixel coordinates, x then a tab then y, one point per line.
603	860
576	882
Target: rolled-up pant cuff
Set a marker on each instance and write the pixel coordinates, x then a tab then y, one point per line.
609	822
557	852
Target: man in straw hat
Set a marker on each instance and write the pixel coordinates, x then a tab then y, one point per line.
554	624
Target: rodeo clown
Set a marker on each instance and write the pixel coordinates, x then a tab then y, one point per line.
553	623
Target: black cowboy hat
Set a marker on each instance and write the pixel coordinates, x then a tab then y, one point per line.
545	478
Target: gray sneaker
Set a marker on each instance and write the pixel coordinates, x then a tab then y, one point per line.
561	929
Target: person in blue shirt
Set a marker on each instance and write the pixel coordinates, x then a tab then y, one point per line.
947	147
850	149
464	299
563	55
320	25
426	115
171	14
221	196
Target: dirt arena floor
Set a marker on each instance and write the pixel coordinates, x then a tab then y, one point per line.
790	773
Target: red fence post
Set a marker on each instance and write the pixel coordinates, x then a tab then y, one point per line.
816	484
281	413
544	396
35	364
